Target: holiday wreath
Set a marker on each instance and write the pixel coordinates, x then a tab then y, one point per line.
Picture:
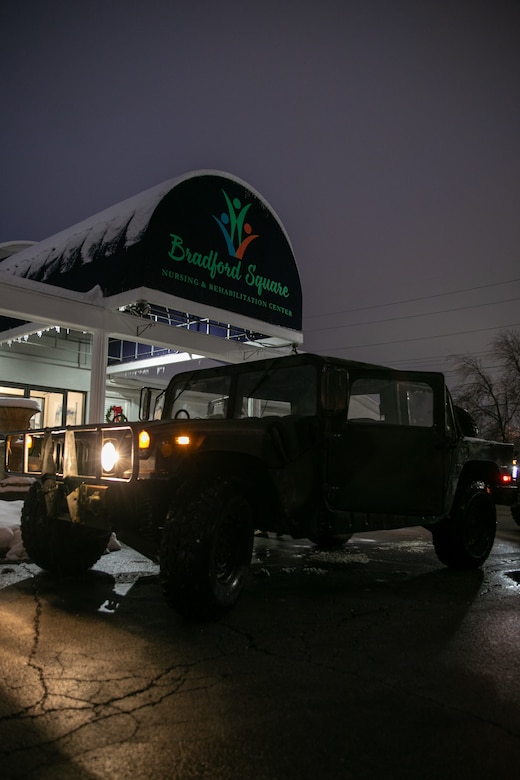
115	414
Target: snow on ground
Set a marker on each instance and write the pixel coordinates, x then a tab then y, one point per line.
11	545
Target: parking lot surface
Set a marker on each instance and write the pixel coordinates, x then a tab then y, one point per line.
366	662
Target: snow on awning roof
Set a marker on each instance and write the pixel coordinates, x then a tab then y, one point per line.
205	237
115	228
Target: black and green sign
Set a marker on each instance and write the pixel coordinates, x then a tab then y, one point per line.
205	237
214	241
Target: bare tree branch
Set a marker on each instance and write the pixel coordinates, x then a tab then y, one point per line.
493	397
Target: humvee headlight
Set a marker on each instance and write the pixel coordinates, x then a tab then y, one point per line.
183	440
109	456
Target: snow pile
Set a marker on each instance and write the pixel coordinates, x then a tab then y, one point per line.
10	486
11	545
17	402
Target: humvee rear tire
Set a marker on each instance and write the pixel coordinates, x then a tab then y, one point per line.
56	545
465	539
206	547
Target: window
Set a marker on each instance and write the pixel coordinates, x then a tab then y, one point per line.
11	391
75	408
53	404
259	393
391	401
205	397
279	392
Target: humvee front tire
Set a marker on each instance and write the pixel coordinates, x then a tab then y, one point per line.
56	545
465	539
206	547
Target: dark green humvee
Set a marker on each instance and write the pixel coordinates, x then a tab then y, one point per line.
302	445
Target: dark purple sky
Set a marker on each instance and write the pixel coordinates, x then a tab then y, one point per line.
384	133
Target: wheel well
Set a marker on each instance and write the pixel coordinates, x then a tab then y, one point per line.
480	471
251	470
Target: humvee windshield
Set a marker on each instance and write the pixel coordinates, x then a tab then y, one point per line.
255	393
279	392
202	397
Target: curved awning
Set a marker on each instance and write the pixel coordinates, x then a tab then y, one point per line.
205	237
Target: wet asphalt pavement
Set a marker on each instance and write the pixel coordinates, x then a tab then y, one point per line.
370	662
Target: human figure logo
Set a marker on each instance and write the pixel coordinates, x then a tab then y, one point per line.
237	232
248	284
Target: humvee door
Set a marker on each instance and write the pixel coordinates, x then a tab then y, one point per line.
389	448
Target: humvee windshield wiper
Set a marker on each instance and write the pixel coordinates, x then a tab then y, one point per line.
266	374
183	388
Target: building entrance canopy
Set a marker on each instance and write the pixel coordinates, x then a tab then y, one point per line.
204	243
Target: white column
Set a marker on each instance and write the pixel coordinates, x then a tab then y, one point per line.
98	377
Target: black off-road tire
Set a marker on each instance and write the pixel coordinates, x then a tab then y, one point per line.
465	539
57	545
206	547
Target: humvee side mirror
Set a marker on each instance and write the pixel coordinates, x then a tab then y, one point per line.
334	383
145	402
